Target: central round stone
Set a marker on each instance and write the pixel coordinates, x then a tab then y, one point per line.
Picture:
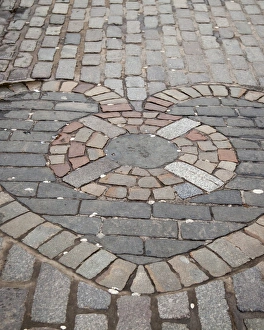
141	150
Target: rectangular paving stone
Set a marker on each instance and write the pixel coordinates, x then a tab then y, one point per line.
51	296
163	247
26	174
134	313
98	124
247	244
236	213
22	159
194	175
116	209
77	106
11	211
230	253
211	262
57	244
78	254
41	234
174	306
95	321
212	306
5	198
163	278
131	245
249	289
95	264
178	212
117	274
152	228
189	273
207	230
90	172
23	146
12	307
177	128
81	224
22	224
52	206
18	266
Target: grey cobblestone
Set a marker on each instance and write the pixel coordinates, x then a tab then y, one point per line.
19	265
51	296
136	49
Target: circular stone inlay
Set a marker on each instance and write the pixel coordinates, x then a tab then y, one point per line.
141	150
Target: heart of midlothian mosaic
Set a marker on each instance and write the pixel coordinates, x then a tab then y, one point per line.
144	185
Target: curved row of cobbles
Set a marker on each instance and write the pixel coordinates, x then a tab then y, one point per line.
220	257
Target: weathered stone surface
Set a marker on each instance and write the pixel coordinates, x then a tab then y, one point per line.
249	290
173	306
177	128
51	296
164	210
116	209
90	172
12	307
19	265
194	175
163	278
91	297
78	254
95	264
211	262
117	274
134	312
95	321
189	273
142	283
212	306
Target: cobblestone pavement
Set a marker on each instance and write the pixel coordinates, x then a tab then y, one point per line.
131	168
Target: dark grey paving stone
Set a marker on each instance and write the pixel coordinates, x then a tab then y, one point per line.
245	183
166	210
55	190
251	155
116	209
207	230
91	297
23	189
220	197
23	146
51	206
139	260
120	244
22	159
60	96
151	228
249	290
27	174
19	265
163	248
134	313
79	224
212	306
12	308
253	199
236	213
51	296
248	168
